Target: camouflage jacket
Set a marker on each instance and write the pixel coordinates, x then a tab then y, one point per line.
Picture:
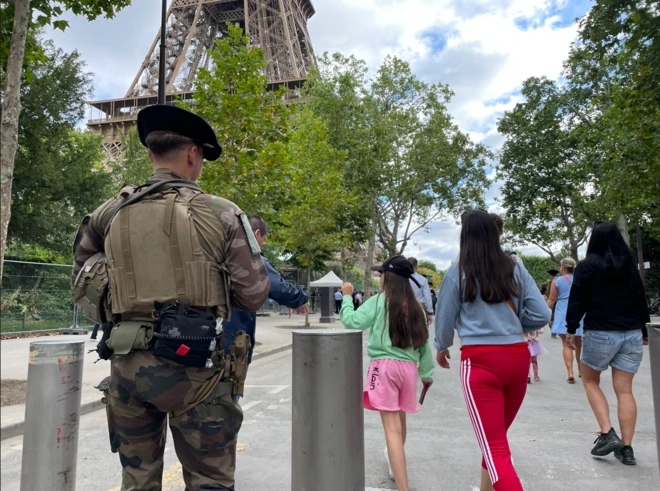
221	235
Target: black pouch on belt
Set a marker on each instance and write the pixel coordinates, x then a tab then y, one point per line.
184	334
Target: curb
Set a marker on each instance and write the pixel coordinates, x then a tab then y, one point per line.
257	356
11	430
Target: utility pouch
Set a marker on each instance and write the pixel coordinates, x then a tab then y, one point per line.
127	336
185	335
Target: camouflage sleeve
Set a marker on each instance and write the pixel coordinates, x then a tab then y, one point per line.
88	242
249	277
89	239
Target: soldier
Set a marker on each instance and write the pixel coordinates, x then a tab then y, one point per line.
167	260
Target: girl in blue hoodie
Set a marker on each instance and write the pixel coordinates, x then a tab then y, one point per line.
490	300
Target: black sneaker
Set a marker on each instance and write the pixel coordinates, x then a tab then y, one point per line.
626	455
607	443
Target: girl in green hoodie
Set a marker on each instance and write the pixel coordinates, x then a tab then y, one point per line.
399	349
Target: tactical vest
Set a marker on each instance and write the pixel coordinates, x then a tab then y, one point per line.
154	254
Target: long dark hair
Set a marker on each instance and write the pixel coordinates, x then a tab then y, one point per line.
487	268
407	321
609	251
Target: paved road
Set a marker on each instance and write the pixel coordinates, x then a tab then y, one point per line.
551	439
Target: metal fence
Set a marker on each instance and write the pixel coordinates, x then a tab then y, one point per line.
37	297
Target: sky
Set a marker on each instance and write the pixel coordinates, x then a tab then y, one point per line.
483	49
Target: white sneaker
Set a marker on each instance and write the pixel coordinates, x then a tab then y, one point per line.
389	466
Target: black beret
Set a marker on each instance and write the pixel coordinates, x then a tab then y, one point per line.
171	118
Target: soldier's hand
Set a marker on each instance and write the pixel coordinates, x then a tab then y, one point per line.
303	309
347	289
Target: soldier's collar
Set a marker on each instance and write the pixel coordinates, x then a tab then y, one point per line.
163	173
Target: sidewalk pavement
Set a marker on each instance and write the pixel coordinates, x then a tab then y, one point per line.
273	334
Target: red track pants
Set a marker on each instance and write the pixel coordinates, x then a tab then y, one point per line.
494	385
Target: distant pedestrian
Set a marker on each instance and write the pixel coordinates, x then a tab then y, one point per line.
399	349
536	349
608	289
490	299
338	300
545	291
434	299
559	293
420	286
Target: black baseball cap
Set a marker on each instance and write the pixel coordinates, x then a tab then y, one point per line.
162	117
398	265
553	272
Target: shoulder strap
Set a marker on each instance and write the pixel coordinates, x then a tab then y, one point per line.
567	278
153	186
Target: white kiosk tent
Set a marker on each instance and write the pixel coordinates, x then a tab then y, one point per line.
326	286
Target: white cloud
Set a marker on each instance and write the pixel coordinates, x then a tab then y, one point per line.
484	49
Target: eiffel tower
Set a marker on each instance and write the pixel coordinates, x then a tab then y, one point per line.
279	27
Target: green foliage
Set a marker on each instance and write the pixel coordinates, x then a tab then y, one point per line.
546	176
134	167
48	12
307	228
253	126
435	279
423	263
538	267
406	160
613	71
58	174
34	52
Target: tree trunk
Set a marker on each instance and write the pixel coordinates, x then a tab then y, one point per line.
370	255
308	288
622	225
342	271
11	110
367	269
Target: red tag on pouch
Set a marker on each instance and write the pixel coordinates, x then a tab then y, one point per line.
183	350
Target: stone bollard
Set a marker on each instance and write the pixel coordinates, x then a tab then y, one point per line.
52	414
328	414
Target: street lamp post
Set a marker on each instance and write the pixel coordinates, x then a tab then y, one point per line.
161	65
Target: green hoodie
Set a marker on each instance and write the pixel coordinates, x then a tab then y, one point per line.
372	315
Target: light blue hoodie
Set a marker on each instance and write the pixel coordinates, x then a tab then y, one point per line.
478	322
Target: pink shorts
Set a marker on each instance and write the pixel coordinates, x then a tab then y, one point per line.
391	386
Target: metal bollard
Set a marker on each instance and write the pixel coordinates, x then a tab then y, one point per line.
654	353
328	414
52	410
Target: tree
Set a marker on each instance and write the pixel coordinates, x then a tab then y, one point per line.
538	267
134	166
307	227
547	191
334	91
253	126
432	276
423	263
614	71
406	161
428	168
49	11
59	174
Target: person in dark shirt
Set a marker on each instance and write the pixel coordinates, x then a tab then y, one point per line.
282	292
608	291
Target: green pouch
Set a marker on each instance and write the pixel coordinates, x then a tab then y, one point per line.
128	336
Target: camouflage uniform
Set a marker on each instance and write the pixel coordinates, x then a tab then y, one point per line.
143	388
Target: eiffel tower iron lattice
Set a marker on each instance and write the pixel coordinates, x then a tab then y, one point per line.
279	27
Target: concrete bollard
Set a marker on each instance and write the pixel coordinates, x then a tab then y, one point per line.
52	410
328	414
654	353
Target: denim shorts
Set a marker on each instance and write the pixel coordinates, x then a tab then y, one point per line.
619	349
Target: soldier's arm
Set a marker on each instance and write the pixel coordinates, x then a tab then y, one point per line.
88	242
249	278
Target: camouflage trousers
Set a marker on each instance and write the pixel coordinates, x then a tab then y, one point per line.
143	390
